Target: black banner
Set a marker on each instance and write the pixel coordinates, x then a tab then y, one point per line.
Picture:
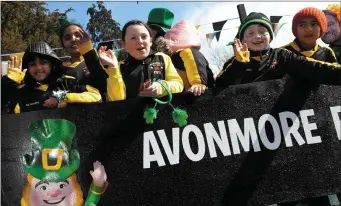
250	144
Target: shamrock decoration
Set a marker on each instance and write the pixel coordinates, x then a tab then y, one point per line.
150	114
180	116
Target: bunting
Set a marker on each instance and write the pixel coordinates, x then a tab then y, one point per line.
209	38
275	22
218	26
197	27
277	27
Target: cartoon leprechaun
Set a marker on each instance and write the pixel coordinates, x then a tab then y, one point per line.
52	165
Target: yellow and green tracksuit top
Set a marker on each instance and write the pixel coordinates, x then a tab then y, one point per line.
15	77
125	81
193	68
320	53
275	63
31	97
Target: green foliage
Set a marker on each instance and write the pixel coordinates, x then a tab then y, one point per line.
23	23
101	26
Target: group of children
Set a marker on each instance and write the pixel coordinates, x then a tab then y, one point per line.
155	51
172	56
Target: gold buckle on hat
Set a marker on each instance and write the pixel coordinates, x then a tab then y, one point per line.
57	166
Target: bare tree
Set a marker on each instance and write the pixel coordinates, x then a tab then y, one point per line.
219	55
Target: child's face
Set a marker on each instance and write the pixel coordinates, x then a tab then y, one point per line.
39	69
257	37
137	41
308	31
70	37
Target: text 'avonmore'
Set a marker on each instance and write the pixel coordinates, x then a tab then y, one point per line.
237	137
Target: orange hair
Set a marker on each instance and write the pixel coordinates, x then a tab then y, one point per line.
25	200
336	9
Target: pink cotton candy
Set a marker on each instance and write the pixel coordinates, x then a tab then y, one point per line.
183	35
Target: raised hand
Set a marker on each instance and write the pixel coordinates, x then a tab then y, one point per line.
239	47
98	174
107	57
84	37
15	64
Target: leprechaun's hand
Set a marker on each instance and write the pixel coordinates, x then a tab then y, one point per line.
98	174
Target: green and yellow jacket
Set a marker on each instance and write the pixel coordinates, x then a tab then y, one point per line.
275	63
320	53
193	68
125	81
31	96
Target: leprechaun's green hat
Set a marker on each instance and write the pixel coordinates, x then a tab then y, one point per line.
51	158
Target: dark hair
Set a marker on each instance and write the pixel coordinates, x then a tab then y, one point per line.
55	69
134	22
62	30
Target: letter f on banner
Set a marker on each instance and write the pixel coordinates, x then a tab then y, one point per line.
336	119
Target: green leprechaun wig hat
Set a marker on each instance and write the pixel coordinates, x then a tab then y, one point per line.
51	159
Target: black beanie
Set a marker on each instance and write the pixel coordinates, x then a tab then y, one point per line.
255	18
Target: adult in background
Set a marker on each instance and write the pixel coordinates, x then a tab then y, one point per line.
333	34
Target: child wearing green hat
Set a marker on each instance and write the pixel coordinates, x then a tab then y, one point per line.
256	61
160	20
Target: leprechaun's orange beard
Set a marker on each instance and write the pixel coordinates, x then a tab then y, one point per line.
64	193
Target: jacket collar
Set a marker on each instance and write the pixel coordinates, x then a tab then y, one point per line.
297	46
259	55
133	61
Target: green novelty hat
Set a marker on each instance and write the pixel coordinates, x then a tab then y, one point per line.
52	158
160	19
